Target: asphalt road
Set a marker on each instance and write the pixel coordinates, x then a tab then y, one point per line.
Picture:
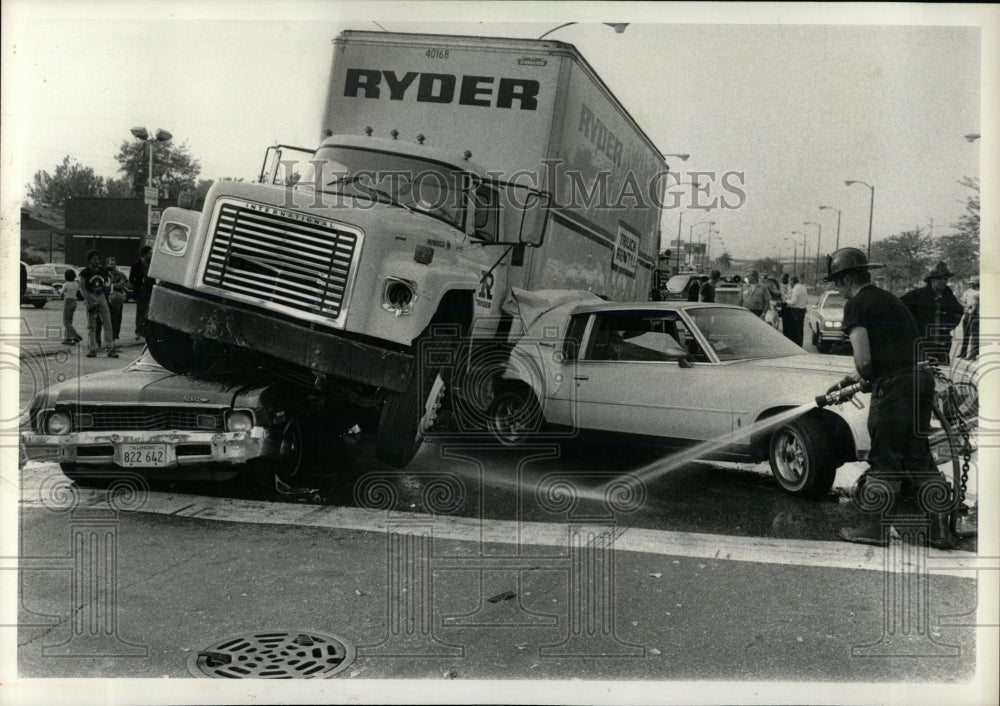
477	563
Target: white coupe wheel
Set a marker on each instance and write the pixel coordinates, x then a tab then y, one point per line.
802	457
514	417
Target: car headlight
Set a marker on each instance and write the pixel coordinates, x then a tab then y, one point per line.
398	296
239	420
58	423
175	239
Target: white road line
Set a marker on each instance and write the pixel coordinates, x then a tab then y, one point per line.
819	554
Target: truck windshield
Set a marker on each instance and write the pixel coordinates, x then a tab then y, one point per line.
432	188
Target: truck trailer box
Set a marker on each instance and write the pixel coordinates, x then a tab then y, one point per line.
450	170
529	111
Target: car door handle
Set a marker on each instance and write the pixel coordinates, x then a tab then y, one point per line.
581	377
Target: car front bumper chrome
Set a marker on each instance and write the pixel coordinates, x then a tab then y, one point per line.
104	448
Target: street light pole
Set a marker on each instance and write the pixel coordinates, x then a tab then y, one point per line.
691	232
831	208
871	209
706	259
799	232
144	135
819	237
618	27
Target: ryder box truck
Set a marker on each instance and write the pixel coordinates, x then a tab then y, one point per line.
450	169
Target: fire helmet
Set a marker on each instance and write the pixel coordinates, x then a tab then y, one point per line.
847	260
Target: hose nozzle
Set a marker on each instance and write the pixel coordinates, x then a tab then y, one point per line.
844	394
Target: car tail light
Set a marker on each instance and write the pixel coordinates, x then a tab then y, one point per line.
58	423
239	420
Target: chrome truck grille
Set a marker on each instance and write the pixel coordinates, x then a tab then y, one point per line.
284	257
146	418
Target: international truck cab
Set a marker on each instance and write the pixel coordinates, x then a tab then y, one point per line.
332	271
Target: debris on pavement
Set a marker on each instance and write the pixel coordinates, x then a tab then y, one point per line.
505	596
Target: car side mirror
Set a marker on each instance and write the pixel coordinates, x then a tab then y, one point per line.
683	362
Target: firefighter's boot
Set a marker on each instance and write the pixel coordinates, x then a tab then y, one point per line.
940	536
875	527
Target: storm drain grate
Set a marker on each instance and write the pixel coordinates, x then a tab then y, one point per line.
274	655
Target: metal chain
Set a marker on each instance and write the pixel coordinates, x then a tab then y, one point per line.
963	428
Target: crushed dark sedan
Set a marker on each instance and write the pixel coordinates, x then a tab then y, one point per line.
147	420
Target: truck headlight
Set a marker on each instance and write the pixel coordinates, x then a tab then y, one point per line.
239	420
175	239
398	296
58	423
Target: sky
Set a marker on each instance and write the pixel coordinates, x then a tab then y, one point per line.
794	102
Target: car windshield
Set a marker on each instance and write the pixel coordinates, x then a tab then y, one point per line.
678	283
834	300
736	334
429	187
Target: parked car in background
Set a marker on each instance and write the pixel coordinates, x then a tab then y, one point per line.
35	293
729	290
683	287
147	420
672	375
52	274
825	320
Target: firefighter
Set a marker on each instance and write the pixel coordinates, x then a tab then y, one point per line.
882	333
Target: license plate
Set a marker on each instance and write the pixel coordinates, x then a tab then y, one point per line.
142	455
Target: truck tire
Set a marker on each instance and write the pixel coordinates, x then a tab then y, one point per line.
804	458
405	417
38	305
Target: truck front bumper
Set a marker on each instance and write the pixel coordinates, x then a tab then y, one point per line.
299	343
103	448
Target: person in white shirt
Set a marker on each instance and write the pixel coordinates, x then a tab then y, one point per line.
798	298
69	290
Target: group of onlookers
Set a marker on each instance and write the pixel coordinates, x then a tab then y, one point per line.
949	328
103	287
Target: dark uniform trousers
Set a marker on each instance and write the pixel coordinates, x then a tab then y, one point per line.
898	423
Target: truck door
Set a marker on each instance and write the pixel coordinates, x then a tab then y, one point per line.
503	212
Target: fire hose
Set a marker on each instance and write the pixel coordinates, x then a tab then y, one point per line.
958	440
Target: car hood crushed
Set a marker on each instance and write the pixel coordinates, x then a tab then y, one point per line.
140	384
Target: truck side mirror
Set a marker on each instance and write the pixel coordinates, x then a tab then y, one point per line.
534	218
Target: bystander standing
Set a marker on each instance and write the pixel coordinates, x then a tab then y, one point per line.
142	288
756	296
69	291
798	299
936	311
94	283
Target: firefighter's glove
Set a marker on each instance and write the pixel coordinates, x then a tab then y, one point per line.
866	385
